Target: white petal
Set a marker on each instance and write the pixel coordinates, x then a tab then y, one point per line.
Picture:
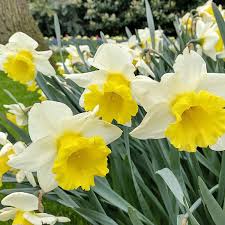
6	148
45	117
46	178
20	176
49	219
3	138
42	63
86	79
96	127
30	178
32	218
90	126
214	83
111	58
144	69
220	145
22	201
154	123
190	67
23	40
147	92
7	213
19	147
35	156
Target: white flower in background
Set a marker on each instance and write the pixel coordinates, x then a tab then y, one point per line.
187	21
208	38
20	60
145	38
74	56
144	69
20	112
21	207
68	65
67	150
206	12
109	86
3	138
11	150
186	106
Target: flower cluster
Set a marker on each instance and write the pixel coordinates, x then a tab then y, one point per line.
201	25
186	105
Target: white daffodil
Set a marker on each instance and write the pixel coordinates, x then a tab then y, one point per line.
21	61
145	38
11	150
109	86
68	65
20	112
74	56
186	106
21	209
206	11
208	38
67	150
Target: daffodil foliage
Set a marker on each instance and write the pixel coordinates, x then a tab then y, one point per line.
126	132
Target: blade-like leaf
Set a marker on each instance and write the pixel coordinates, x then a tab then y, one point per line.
151	24
216	212
172	183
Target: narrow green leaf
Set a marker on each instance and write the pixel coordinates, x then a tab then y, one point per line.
221	191
216	212
151	24
133	217
220	21
128	32
172	183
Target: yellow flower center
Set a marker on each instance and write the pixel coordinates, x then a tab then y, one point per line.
79	159
20	67
114	99
200	120
20	220
4	167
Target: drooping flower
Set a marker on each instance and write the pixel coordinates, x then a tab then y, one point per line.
186	106
21	209
208	37
19	111
20	61
10	150
109	86
67	150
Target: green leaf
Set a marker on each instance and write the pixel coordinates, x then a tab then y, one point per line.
216	212
219	20
133	217
151	24
221	191
172	183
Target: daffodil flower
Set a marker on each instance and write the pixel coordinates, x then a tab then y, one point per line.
208	38
206	11
21	61
67	150
21	209
19	111
74	56
186	106
11	150
109	86
145	38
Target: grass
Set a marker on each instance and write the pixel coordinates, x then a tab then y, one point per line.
29	98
